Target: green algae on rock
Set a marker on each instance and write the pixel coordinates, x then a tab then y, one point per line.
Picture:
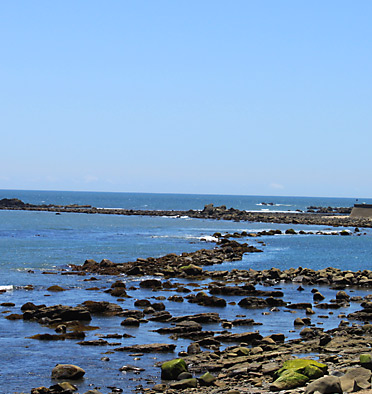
171	369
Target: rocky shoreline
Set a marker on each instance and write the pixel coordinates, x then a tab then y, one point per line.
253	364
330	218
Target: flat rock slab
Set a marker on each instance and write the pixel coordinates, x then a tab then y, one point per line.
149	348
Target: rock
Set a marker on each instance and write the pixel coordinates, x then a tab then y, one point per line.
130	321
207	379
117	292
300	365
158	306
134	271
192	270
193	348
247	337
356	379
161	316
130	368
94	342
299	322
289	380
61	328
102	308
149	310
317	296
325	385
148	348
342	295
133	313
14	316
300	305
184	384
142	303
253	302
67	371
202	298
55	288
184	375
93	392
365	360
181	327
208	317
62	312
297	372
175	298
151	283
160	387
64	387
171	369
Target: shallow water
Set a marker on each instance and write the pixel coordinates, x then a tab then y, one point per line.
33	242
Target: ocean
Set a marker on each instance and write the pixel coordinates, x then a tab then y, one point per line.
35	242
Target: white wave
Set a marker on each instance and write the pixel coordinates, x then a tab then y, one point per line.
7	287
274	211
274	205
208	238
118	209
161	236
205	238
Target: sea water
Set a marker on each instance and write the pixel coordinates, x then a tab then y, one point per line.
35	242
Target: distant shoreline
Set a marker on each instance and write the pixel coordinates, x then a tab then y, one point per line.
209	212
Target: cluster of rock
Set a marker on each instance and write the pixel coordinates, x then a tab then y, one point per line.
171	265
210	212
191	265
265	363
15	203
338	210
269	366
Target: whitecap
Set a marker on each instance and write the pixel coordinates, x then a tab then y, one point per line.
6	287
208	238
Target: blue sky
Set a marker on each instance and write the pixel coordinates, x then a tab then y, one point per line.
225	97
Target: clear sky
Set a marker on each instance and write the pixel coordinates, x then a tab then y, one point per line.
192	96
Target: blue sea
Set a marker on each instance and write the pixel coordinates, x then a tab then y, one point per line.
34	242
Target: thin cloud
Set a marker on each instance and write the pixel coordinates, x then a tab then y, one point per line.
276	186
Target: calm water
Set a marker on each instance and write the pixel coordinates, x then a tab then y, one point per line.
40	241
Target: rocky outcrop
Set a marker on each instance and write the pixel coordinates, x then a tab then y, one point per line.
148	348
55	313
67	371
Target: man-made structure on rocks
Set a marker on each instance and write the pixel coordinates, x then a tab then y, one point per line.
361	211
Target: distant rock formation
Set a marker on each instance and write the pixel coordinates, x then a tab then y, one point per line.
12	202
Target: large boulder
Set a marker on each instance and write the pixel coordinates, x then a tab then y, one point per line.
325	385
356	379
289	380
67	371
171	369
207	379
184	384
297	372
192	270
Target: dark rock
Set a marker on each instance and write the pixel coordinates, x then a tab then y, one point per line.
67	371
148	348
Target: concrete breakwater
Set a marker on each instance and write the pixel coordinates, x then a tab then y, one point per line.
209	212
